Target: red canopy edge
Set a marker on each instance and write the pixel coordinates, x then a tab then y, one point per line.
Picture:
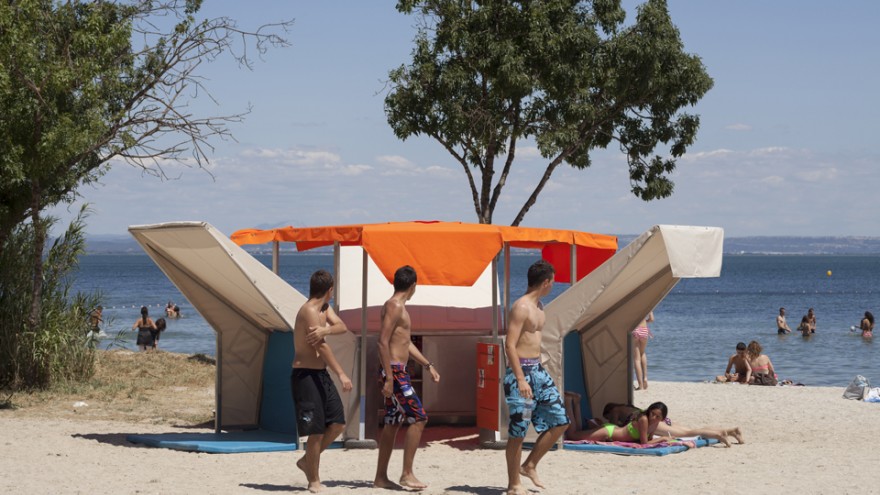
444	253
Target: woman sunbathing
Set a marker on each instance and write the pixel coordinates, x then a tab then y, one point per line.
622	415
640	430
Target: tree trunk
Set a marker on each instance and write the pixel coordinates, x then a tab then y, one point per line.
534	197
37	259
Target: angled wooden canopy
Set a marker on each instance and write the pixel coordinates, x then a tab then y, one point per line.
443	253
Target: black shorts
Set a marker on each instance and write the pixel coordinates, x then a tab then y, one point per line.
316	400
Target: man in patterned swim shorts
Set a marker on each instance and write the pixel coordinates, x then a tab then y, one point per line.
402	404
526	380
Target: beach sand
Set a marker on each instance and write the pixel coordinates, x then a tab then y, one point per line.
798	440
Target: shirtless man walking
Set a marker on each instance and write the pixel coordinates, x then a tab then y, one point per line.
401	402
319	411
527	380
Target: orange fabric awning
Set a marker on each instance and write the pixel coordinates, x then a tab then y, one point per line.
442	253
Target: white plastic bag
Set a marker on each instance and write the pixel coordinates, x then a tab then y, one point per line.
873	395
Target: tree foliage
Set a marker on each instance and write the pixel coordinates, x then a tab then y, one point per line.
568	75
85	84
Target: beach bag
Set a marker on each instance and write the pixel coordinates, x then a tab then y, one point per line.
857	388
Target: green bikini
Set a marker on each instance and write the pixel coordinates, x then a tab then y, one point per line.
630	428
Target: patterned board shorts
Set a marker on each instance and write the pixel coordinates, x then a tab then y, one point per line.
404	405
549	411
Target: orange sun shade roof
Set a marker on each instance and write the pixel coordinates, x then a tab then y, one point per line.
442	253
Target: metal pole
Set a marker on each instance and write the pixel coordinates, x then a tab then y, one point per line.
338	285
363	378
506	283
275	251
495	297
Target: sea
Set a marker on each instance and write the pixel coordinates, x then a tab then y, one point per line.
696	327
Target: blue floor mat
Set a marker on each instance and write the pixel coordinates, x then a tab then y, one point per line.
618	449
220	443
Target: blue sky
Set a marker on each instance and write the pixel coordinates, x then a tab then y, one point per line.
787	144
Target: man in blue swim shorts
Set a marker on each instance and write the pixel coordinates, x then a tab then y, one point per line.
526	383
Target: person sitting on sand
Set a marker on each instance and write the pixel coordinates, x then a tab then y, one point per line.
762	369
867	325
740	364
640	430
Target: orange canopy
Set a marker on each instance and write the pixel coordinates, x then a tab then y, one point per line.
442	253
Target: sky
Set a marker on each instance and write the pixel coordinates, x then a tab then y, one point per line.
787	143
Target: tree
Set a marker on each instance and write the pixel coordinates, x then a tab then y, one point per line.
566	74
84	84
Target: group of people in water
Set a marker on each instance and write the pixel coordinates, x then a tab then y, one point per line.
807	326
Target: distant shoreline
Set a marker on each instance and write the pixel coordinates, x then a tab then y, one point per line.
748	246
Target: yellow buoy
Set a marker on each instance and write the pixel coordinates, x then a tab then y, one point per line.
828	273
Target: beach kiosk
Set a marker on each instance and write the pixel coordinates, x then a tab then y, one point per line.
457	312
456	307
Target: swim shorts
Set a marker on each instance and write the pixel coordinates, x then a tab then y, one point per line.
549	411
404	405
316	399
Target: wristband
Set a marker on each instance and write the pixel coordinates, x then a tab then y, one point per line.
429	365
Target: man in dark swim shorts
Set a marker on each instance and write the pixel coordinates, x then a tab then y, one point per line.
319	411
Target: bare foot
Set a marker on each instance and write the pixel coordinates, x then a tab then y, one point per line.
385	483
532	474
737	434
301	464
412	482
645	386
517	490
315	486
723	439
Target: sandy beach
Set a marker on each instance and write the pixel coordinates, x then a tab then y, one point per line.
798	440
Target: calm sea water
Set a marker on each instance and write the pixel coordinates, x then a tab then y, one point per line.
696	329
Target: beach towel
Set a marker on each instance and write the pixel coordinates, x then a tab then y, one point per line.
630	448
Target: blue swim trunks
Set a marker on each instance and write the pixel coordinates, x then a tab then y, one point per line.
549	409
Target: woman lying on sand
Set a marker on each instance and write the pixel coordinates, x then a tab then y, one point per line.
620	419
640	430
